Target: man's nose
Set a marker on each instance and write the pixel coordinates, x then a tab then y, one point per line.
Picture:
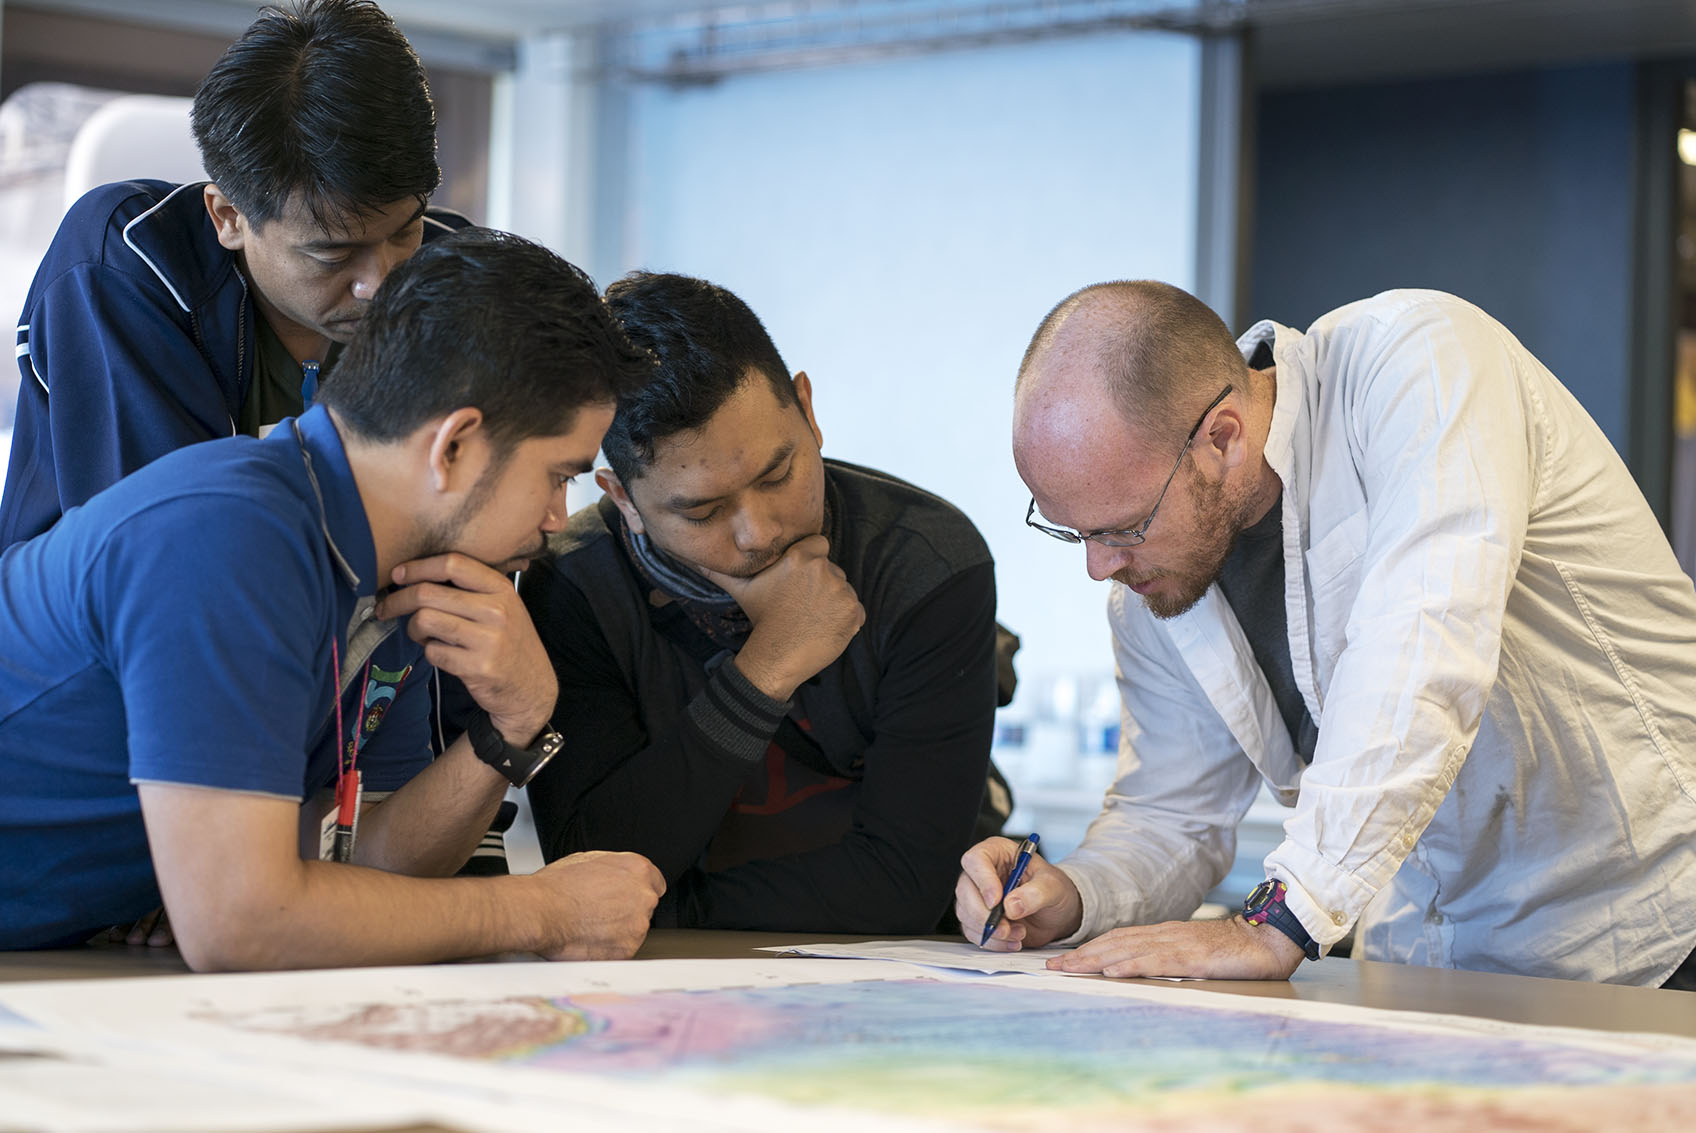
374	269
559	509
1104	562
553	520
756	529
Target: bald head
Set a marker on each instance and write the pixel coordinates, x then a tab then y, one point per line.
1116	379
1156	353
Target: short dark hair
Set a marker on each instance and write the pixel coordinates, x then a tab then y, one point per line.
324	101
485	319
705	344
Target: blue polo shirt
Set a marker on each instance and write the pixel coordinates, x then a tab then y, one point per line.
177	629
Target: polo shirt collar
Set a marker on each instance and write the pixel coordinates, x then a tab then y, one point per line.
347	530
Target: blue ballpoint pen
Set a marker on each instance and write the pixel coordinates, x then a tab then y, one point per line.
1013	880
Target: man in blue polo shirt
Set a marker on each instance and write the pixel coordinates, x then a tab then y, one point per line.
205	662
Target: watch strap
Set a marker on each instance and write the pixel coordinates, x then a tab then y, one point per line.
1266	906
518	764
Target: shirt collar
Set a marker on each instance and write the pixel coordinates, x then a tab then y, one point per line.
1280	435
347	530
194	268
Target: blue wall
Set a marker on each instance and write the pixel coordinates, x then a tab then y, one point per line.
1512	190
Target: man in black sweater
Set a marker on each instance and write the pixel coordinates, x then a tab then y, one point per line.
777	672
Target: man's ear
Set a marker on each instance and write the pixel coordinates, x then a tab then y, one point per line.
614	488
458	450
232	226
804	395
1226	442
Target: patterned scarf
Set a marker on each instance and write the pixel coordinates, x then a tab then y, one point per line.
710	609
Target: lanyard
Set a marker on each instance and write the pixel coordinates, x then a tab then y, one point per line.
348	747
349	779
347	759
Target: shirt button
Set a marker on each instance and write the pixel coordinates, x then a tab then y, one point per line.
1338	917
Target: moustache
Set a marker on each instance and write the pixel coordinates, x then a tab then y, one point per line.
1127	578
524	557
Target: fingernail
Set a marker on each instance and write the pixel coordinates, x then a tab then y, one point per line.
400	574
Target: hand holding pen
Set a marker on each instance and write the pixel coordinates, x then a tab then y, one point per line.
1008	897
1013	879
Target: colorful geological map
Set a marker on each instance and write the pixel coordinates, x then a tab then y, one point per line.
1018	1058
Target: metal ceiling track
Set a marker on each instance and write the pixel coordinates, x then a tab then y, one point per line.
707	43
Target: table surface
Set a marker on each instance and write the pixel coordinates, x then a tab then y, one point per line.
1398	987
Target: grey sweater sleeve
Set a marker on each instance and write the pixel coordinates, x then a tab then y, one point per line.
734	717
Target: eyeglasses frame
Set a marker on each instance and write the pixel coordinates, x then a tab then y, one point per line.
1131	536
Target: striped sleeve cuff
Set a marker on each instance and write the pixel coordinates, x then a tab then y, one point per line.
736	719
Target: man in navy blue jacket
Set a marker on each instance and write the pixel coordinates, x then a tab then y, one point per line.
165	315
204	661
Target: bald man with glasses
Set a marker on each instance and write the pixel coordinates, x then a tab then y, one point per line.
1397	575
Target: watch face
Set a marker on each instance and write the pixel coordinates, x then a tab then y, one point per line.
1264	894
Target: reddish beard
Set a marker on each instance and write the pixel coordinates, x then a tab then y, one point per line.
1217	521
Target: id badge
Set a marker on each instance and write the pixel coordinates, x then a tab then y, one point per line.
335	841
327	835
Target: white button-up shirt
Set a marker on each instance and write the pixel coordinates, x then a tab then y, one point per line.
1497	645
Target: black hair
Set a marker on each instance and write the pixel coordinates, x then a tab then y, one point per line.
322	101
485	319
705	344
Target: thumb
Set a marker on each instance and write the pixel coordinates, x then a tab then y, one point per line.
1033	896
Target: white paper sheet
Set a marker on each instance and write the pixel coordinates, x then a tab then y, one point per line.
943	956
948	956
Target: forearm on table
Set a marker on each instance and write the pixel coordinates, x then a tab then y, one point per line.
429	827
240	896
333	915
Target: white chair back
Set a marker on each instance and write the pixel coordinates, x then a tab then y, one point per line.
134	135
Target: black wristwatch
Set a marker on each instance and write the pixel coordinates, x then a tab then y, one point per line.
1266	906
518	764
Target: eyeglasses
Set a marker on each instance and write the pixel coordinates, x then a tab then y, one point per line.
1130	536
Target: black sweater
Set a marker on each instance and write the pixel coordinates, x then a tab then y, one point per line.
845	810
